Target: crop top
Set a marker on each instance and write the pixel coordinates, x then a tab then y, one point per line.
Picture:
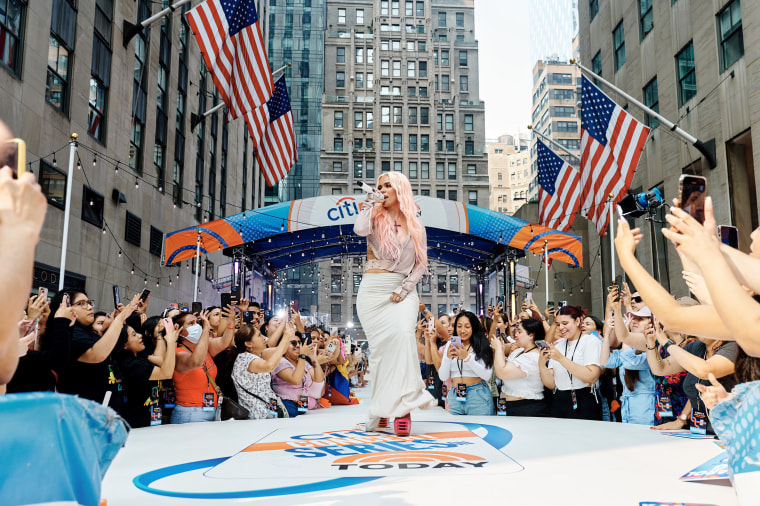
471	367
405	263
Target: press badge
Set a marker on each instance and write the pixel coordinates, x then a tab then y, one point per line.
444	392
169	398
462	392
155	415
698	422
208	402
664	406
501	407
575	401
273	407
431	381
303	403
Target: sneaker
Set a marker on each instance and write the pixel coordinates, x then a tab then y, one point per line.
403	426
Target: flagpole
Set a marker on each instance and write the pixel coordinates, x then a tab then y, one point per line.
555	143
197	266
701	147
546	261
67	210
610	202
130	30
196	118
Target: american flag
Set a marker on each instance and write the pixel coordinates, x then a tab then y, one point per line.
230	40
559	189
611	145
276	152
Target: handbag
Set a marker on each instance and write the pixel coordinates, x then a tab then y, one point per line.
281	411
226	407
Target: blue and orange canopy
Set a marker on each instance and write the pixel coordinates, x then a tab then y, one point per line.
301	231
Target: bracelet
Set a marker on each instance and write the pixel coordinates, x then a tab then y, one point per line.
667	345
303	356
651	349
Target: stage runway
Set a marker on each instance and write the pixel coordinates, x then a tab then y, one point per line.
325	458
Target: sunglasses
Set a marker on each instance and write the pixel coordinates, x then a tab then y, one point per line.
295	343
637	299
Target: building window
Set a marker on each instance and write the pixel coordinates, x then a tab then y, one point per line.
340	79
385	68
472	197
132	229
444	57
335	316
385	142
412	170
385	114
439	171
156	240
359	55
369	125
359	80
453	195
423	71
452	171
460	19
12	24
338	144
445	82
468	122
687	79
397	142
412	142
358	143
424	143
397	167
357	169
420	9
462	58
410	69
341	16
358	119
398	116
469	147
731	38
92	207
646	21
100	78
412	115
423	89
60	53
424	116
425	171
651	100
337	191
396	69
340	55
394	7
442	18
370	170
338	119
385	167
449	122
593	9
359	16
383	7
596	66
618	36
464	83
337	166
53	183
442	285
471	169
139	93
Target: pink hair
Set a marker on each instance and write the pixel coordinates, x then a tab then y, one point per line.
384	225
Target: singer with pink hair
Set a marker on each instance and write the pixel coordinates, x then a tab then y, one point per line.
387	303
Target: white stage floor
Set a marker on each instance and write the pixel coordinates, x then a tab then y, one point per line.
324	458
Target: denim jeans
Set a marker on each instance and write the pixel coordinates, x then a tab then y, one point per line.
190	414
479	401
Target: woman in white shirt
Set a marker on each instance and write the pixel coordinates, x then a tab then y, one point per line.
570	367
468	361
522	390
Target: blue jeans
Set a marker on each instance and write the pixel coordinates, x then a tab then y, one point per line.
190	414
479	401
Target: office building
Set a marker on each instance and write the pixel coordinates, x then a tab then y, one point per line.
401	94
509	173
552	25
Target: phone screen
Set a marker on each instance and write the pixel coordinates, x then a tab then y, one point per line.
691	196
729	235
43	292
116	298
144	294
226	299
13	155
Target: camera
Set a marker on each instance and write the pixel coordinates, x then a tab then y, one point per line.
636	205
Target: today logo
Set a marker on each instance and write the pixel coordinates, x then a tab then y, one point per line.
301	463
343	209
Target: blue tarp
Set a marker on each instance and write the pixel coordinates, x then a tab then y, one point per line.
55	447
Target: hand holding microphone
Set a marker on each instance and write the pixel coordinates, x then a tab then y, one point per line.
372	194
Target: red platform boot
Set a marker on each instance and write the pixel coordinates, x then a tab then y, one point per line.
403	425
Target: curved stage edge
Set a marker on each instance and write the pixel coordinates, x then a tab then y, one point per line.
326	458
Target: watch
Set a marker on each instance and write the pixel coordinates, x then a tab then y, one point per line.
303	356
667	345
683	417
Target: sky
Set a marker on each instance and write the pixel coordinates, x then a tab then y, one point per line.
505	67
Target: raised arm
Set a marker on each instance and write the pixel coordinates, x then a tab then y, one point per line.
547	375
270	363
166	369
186	362
104	346
503	369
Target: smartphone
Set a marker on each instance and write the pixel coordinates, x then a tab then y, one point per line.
306	339
457	341
691	195
226	299
294	305
144	294
197	307
42	292
550	304
13	155
247	316
729	235
67	299
330	348
529	296
360	366
235	293
561	304
116	298
431	324
168	324
542	344
620	211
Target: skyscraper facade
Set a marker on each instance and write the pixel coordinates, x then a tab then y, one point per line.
552	25
401	94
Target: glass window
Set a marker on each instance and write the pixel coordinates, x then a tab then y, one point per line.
730	35
651	100
445	82
385	166
440	194
472	197
397	142
460	19
410	69
442	18
340	79
411	91
449	122
423	69
92	208
424	116
396	69
397	167
370	55
397	115
60	52
464	83
453	195
452	171
469	147
425	170
468	122
618	37
687	79
338	144
385	114
338	119
440	169
593	9
412	115
423	89
646	21
12	25
462	58
412	170
409	8
385	66
444	56
369	121
359	16
359	80
424	143
471	169
370	170
358	144
439	121
337	166
383	7
420	9
394	7
396	45
596	66
53	184
412	142
341	16
385	142
358	119
340	54
359	53
442	287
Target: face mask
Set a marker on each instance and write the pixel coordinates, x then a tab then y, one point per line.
194	333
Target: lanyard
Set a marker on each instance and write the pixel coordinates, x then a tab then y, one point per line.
578	342
460	364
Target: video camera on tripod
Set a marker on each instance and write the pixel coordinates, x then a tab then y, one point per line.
636	205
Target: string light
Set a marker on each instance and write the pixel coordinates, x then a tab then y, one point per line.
94	161
79	165
119	253
137	183
104	230
115	169
133	269
55	162
145	281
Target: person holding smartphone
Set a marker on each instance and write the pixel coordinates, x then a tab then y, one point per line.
522	389
387	303
570	367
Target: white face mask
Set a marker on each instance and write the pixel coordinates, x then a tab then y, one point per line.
194	333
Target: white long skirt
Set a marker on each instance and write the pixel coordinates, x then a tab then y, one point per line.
397	386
